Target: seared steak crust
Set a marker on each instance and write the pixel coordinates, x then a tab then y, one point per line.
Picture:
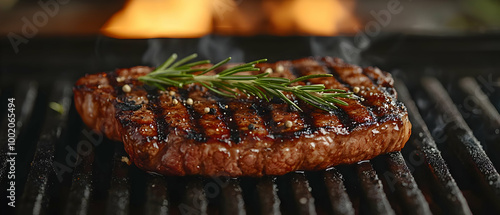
162	133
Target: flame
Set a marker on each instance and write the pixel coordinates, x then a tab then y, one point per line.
160	18
316	17
195	18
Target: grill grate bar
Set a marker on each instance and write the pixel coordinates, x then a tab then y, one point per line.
78	200
119	191
339	199
36	197
25	96
232	199
472	88
422	140
194	200
404	183
373	189
302	193
469	148
267	192
156	195
489	130
27	92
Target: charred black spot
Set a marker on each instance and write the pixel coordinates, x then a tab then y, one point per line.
124	122
293	135
196	136
127	106
152	95
155	107
251	127
344	118
391	91
111	77
197	131
227	118
401	105
212	111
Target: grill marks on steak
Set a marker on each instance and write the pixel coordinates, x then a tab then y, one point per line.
245	136
375	97
277	113
347	117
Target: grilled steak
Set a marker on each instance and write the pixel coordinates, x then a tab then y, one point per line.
166	133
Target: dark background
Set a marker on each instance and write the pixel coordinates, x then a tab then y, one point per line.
425	33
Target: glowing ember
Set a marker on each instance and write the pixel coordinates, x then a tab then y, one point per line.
195	18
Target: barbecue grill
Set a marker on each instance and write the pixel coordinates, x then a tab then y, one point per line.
450	85
447	167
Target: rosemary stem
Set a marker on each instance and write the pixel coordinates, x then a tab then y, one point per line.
228	83
206	78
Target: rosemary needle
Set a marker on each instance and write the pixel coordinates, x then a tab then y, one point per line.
226	83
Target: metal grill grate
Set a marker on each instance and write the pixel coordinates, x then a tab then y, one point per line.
454	176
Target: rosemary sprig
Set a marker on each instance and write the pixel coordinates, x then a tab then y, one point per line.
227	82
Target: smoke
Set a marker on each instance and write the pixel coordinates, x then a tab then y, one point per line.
217	48
341	47
243	49
211	47
158	50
